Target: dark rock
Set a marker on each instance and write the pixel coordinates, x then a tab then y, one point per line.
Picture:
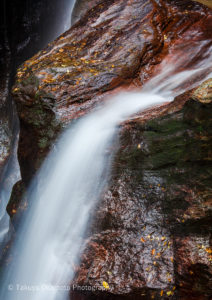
152	230
18	202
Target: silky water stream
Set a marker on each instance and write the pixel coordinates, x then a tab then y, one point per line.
69	185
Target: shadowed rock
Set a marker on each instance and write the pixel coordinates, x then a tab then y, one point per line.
152	230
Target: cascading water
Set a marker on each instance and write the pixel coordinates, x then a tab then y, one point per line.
69	184
11	173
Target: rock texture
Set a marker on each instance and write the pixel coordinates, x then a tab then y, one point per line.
116	44
151	233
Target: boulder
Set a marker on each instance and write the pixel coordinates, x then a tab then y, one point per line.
151	234
115	45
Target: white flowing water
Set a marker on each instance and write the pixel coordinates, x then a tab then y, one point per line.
66	24
69	185
11	172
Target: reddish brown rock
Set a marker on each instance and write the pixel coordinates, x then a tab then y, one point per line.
116	44
144	240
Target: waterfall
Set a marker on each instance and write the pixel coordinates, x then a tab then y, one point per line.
68	187
10	176
11	172
66	24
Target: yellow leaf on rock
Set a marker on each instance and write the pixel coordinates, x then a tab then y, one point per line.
161	293
143	240
105	285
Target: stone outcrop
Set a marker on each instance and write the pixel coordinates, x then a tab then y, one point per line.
117	44
150	237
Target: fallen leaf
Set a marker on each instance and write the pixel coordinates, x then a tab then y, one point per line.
169	293
105	285
153	251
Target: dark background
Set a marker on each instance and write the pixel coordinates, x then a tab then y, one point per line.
26	26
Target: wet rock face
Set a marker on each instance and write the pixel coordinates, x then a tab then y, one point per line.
116	44
152	231
5	132
5	143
